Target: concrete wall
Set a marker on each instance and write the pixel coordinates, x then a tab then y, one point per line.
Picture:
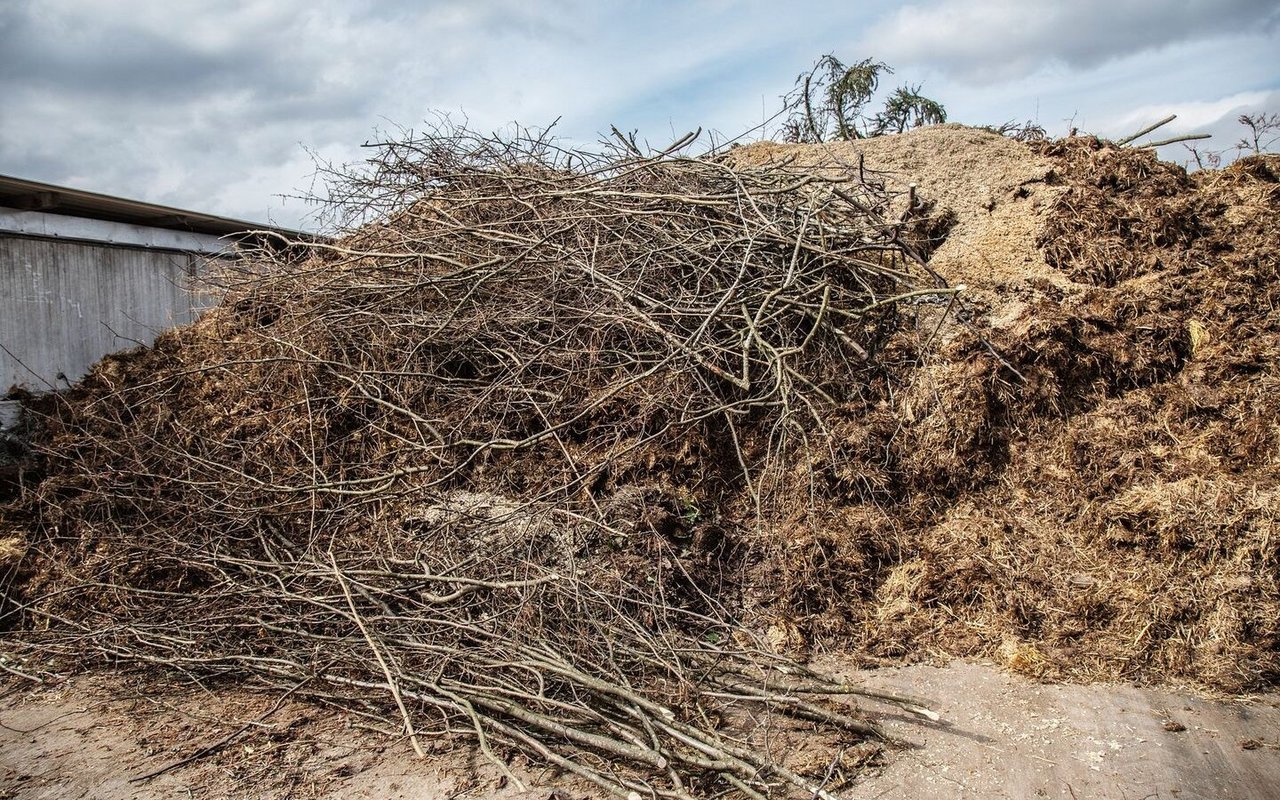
64	304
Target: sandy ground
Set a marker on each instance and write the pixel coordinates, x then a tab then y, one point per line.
1009	737
1002	737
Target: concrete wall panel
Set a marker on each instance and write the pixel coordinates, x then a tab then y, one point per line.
64	305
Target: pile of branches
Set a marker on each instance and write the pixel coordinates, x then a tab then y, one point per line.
517	298
274	493
552	652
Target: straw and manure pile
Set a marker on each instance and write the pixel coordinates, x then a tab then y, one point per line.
582	455
1084	483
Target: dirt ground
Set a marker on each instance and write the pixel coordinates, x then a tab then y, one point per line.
1002	736
111	738
1009	737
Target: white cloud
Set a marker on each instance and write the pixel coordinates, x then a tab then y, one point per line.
209	105
985	41
1219	118
1193	115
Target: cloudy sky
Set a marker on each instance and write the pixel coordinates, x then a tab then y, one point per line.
221	105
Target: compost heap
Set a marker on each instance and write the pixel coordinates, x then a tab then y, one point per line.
583	455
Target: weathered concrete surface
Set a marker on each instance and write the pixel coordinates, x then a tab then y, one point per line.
64	305
10	414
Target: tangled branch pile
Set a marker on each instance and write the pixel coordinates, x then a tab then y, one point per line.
307	487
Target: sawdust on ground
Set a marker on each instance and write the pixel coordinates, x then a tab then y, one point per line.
996	191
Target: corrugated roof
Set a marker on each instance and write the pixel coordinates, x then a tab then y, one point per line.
25	195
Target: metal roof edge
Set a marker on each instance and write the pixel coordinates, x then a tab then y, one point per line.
26	195
122	234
